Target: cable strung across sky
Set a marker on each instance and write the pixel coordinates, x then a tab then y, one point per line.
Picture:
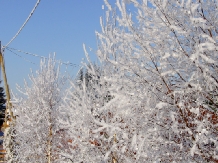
35	55
19	56
21	28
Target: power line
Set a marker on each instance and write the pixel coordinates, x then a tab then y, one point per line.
21	28
20	56
35	55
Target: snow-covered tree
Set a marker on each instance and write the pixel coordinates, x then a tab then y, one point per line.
36	114
153	98
164	53
104	122
159	64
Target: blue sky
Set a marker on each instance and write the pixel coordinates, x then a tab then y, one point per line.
60	26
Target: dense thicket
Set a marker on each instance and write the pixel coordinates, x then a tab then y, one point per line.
152	98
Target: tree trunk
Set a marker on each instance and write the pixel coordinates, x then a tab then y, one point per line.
49	139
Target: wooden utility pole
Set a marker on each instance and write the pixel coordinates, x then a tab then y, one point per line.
9	118
8	111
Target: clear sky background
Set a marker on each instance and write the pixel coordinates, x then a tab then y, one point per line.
60	26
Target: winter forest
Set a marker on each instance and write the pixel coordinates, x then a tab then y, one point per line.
152	98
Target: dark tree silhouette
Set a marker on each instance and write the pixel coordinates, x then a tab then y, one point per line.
2	105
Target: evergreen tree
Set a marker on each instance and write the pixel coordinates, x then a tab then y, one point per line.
84	74
2	105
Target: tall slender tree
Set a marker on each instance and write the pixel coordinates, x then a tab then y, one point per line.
37	112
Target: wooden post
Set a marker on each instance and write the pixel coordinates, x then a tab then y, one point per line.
9	118
8	111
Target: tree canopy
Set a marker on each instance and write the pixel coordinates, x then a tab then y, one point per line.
153	97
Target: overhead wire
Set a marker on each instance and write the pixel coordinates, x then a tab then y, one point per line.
21	28
35	55
20	56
